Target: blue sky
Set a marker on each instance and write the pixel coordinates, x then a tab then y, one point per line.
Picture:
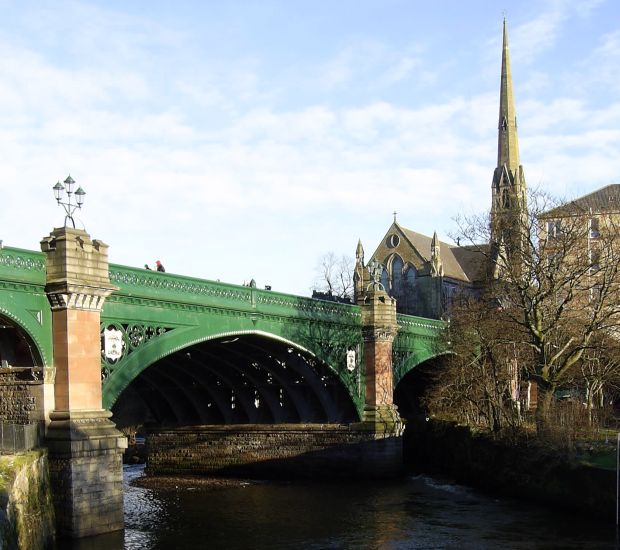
237	140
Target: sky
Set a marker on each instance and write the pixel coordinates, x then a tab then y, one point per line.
246	139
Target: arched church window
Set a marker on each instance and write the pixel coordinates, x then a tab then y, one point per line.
410	276
505	199
396	269
385	280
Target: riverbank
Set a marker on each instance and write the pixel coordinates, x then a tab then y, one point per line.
525	470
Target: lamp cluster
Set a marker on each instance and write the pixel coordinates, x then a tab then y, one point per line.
69	206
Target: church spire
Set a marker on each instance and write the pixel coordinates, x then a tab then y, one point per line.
508	144
509	200
436	264
359	252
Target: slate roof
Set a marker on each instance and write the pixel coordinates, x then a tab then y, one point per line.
606	199
464	263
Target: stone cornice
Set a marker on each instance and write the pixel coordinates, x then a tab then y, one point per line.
71	296
75	300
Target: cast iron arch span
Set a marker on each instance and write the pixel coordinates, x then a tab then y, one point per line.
411	388
18	347
239	377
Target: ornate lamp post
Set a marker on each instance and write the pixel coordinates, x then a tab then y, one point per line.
69	207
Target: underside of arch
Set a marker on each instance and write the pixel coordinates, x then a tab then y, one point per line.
410	391
235	379
17	348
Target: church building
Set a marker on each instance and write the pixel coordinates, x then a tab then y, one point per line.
425	274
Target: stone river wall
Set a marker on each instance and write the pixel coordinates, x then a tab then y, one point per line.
273	451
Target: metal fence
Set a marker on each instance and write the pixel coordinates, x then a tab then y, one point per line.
18	437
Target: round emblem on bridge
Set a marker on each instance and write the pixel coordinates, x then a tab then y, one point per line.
392	241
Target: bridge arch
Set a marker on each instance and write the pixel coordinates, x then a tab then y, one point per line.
19	345
241	376
417	375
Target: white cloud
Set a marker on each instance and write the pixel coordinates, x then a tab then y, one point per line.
199	164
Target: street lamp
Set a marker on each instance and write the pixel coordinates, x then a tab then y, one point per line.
69	207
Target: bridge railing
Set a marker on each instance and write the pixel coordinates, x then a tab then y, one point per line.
140	283
24	266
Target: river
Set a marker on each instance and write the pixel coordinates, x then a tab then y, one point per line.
416	512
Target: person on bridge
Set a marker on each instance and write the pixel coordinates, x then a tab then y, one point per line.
146	266
160	267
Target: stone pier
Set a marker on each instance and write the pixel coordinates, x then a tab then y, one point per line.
85	448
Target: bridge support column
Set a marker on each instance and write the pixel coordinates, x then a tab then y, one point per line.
85	448
379	328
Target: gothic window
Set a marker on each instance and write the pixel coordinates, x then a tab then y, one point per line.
396	269
505	199
410	276
385	280
449	292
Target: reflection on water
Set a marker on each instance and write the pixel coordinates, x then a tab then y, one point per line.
411	513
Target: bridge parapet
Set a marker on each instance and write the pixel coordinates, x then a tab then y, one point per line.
22	266
151	285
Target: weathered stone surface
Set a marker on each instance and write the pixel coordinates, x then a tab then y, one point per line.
26	511
85	455
324	450
379	329
85	449
19	398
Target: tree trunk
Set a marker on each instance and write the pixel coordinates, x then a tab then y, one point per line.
543	410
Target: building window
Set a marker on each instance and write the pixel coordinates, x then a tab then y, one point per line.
410	275
553	229
397	274
594	228
505	199
392	241
595	260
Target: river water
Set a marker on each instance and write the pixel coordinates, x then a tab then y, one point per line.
415	512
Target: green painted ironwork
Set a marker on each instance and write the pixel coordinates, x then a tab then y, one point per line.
159	313
417	341
23	299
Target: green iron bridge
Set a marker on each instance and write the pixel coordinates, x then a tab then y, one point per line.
177	350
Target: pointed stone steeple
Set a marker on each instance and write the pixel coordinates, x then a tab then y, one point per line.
360	274
508	144
359	252
509	201
436	264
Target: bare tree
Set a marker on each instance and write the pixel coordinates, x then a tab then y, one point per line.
479	384
334	277
599	373
555	284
